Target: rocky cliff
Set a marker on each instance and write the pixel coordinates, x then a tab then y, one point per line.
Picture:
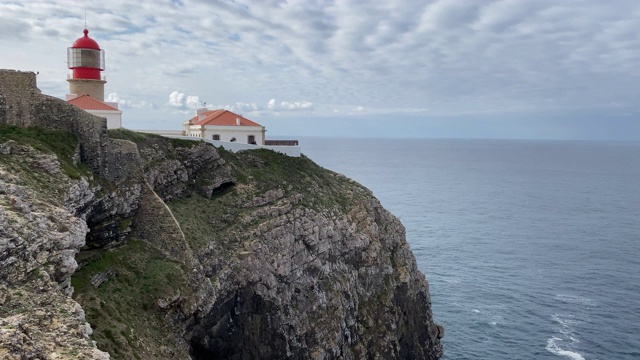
186	250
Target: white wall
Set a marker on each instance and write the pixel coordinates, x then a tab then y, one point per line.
114	117
241	133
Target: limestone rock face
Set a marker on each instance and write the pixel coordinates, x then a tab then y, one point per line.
35	235
187	251
38	322
298	279
39	238
174	172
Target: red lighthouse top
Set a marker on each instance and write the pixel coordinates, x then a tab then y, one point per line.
85	58
86	42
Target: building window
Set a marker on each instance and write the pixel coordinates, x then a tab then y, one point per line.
251	139
215	137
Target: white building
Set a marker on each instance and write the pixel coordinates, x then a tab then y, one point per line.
223	125
103	109
234	132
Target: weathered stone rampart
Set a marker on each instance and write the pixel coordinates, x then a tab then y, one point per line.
22	104
17	89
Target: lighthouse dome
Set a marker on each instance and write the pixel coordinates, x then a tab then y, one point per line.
86	42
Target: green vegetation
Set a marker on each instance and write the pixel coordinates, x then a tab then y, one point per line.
127	303
183	143
125	134
226	220
268	169
34	170
124	224
58	142
61	143
203	220
265	170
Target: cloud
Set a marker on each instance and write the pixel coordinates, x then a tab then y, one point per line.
297	105
289	106
441	57
182	69
193	102
176	99
128	104
240	106
181	101
113	97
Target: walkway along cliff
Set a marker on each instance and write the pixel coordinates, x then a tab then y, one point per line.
175	249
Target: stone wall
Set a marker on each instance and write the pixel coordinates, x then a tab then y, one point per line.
17	89
22	104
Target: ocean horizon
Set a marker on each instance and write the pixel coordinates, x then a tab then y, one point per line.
530	246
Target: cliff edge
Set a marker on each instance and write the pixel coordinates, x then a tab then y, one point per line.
172	248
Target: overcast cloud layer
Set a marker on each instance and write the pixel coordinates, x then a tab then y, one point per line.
549	69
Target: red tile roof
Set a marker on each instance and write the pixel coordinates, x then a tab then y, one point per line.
86	102
221	117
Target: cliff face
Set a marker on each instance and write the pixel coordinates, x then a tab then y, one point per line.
187	250
39	237
312	267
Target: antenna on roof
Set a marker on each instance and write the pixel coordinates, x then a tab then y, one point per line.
85	19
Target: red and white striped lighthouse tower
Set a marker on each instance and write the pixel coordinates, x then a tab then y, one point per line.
86	59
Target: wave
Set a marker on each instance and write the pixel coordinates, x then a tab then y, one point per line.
567	323
553	348
489	314
579	300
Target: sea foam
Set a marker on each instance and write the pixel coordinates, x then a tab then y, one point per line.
553	348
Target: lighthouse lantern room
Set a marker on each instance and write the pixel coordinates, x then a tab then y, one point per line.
86	59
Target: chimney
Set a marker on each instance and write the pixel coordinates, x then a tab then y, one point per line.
238	120
200	112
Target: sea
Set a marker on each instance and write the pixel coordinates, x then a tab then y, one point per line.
531	248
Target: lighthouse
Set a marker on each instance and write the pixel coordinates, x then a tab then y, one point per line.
86	84
86	59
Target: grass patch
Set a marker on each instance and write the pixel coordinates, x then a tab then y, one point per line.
183	143
322	189
124	224
205	220
222	224
127	303
58	142
125	134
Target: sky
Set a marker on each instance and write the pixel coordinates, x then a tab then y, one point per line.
531	69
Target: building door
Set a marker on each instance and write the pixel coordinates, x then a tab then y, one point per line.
251	139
